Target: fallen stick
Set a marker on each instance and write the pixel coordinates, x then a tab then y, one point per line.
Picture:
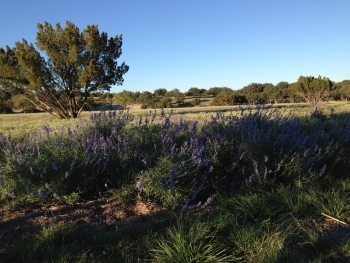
335	219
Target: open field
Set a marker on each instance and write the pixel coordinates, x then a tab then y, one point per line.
201	184
22	123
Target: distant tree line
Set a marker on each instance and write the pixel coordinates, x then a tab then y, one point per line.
306	89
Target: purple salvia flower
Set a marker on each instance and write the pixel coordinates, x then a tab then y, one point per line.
54	167
20	178
41	193
9	194
323	170
194	195
27	190
265	174
201	186
173	150
48	186
70	132
306	152
139	185
72	164
56	196
255	164
278	167
266	159
209	201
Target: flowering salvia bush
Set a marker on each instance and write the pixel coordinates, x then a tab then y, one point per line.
178	161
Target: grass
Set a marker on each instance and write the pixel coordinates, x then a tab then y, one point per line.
273	219
261	225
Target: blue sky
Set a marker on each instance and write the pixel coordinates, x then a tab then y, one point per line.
200	43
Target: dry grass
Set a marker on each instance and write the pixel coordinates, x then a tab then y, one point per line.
20	124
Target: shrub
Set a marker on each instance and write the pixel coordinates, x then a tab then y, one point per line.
196	102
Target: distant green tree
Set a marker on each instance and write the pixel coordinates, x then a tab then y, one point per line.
20	102
253	88
178	96
254	92
4	96
73	65
216	90
341	91
226	98
145	97
164	103
124	98
202	91
108	98
160	92
196	102
195	92
314	90
5	101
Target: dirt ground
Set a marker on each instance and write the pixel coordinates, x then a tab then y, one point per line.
95	214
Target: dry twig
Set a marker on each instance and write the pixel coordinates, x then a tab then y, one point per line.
335	219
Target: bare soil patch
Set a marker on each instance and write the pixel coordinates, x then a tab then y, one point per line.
94	215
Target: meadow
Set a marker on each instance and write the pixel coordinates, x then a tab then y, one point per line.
263	183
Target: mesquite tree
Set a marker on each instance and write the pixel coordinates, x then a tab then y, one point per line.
64	69
314	90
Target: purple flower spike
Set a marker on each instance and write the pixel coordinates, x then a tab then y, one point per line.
323	170
139	185
266	159
54	167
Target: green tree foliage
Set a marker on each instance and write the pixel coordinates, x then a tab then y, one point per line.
341	91
202	91
172	93
160	92
164	103
178	96
124	98
195	92
154	103
275	94
314	90
254	92
20	102
73	65
5	101
108	99
216	90
227	98
145	97
196	102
